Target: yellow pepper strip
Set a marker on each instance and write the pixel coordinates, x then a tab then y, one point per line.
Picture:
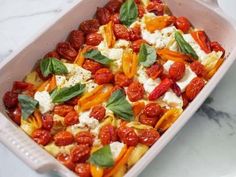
79	60
215	69
167	54
109	34
36	120
96	171
168	119
52	84
43	86
120	163
96	98
157	23
129	63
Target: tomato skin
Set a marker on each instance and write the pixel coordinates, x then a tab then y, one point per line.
151	121
76	39
80	153
10	99
194	87
177	71
71	118
89	26
121	31
93	39
161	89
103	76
154	71
62	110
183	24
128	136
63	138
65	50
66	160
42	137
198	68
107	134
98	112
176	89
83	170
92	66
152	110
47	120
217	47
103	15
135	91
122	80
185	100
148	137
84	138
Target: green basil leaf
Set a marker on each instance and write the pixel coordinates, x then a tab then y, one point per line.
27	104
52	66
147	55
185	47
60	95
120	106
97	56
102	157
128	12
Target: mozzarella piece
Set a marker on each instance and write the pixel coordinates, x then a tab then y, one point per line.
167	66
151	38
188	77
91	85
60	80
121	43
148	83
113	53
45	101
172	99
116	148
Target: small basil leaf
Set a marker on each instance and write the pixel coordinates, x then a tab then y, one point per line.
97	56
120	106
128	12
147	55
102	157
52	66
60	95
27	104
184	46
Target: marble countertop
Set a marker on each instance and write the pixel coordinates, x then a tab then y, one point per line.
205	147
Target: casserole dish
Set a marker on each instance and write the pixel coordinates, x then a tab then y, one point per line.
40	160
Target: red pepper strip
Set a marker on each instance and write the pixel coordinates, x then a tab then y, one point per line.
161	89
202	39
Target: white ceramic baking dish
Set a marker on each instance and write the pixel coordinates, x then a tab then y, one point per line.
203	14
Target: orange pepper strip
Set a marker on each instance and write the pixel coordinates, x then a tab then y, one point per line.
109	34
80	57
168	119
98	99
120	163
138	107
91	94
122	153
37	119
96	171
158	23
167	54
52	84
215	69
43	86
129	63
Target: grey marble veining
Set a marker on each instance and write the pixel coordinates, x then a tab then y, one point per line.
205	147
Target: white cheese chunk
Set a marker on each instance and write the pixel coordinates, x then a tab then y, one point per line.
90	85
188	77
172	99
60	80
85	120
167	66
121	43
45	101
116	148
113	53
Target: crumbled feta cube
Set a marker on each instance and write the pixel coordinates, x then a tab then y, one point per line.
60	80
85	120
188	77
45	101
172	99
113	53
116	148
167	66
90	85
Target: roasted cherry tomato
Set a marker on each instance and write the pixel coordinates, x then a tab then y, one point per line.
113	6
148	137
121	31
198	68
151	121
135	91
183	24
63	138
76	39
103	15
15	114
217	47
122	80
127	135
155	7
62	110
89	26
177	71
194	87
93	39
66	51
107	134
152	110
10	99
66	160
80	153
42	137
98	112
137	44
71	118
52	54
47	120
84	138
135	33
103	76
154	71
83	170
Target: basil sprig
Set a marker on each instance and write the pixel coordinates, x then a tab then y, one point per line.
60	95
147	55
185	47
102	157
27	104
128	12
120	106
97	56
52	66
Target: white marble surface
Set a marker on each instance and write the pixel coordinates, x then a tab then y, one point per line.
205	147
